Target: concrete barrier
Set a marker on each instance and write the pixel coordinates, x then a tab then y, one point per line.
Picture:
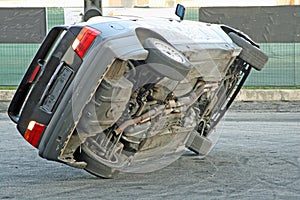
6	95
269	95
245	95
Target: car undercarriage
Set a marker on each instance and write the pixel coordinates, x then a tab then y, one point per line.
141	119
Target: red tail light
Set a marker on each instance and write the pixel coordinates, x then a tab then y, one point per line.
84	40
34	132
34	73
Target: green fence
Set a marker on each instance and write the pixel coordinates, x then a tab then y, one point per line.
283	68
15	58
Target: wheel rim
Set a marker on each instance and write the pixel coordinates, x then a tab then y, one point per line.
169	51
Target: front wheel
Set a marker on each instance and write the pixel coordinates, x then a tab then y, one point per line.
250	54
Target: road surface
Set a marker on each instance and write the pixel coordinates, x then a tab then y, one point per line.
257	157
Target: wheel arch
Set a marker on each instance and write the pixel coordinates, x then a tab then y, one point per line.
228	29
144	33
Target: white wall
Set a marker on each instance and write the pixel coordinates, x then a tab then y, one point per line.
152	3
41	3
208	3
212	3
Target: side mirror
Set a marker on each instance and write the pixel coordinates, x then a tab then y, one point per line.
180	11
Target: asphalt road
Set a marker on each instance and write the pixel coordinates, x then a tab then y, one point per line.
257	157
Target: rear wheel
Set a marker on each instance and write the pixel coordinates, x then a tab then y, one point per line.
166	60
94	165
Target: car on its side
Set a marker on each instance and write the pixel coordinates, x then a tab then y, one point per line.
131	94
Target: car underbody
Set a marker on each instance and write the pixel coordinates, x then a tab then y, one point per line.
141	119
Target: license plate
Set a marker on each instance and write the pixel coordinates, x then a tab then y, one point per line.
57	88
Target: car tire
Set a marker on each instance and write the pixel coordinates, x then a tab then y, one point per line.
166	60
94	166
250	54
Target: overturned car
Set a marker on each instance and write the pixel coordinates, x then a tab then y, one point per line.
131	94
